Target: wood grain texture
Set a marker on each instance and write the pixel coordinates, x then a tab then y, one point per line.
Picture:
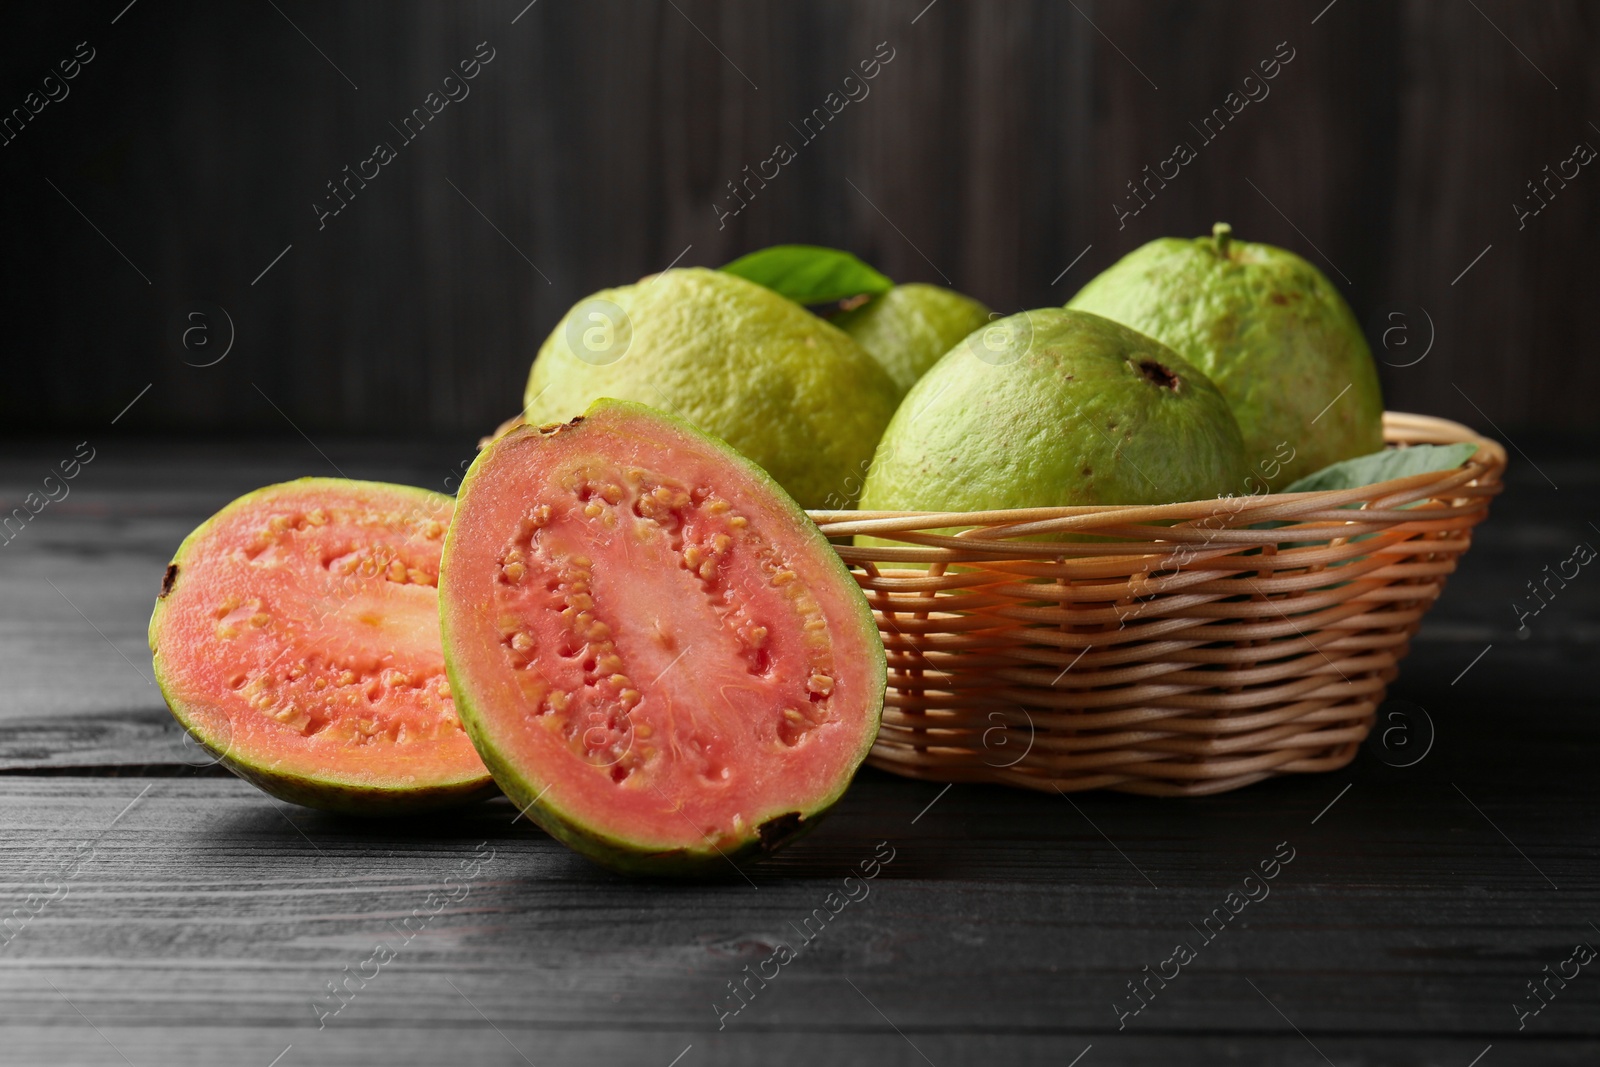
597	144
189	919
1002	914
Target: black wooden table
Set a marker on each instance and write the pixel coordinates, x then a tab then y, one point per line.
1426	904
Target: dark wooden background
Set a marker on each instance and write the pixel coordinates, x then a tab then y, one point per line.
989	152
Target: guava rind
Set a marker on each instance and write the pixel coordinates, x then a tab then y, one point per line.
531	796
362	801
908	328
1270	331
345	798
615	853
789	390
1062	414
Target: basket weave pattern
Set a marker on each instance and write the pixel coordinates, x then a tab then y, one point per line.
1179	652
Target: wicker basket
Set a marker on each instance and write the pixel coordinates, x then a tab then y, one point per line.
1193	655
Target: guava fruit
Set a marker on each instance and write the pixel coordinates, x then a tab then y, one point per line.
1268	328
296	637
909	327
1053	408
737	360
658	655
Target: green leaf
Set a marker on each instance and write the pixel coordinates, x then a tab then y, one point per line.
809	274
1382	466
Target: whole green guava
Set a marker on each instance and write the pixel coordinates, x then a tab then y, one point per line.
908	328
1268	328
1053	408
790	391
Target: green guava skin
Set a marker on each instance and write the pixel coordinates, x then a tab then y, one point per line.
736	360
1064	408
1268	328
908	328
617	854
361	801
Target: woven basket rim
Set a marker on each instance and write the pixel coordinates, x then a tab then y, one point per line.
1414	428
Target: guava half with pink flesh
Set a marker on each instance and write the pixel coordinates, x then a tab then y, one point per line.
296	638
659	656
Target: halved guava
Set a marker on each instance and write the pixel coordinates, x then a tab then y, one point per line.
296	637
659	656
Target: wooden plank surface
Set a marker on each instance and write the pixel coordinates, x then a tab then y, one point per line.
600	140
161	912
